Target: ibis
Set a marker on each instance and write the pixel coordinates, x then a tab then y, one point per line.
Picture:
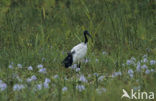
77	53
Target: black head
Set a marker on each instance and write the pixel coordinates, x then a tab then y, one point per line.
86	33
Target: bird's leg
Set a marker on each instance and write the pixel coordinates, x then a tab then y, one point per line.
79	65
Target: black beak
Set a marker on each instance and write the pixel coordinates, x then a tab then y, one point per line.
89	36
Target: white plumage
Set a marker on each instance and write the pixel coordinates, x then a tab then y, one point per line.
80	51
77	53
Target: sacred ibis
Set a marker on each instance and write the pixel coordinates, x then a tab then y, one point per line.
77	53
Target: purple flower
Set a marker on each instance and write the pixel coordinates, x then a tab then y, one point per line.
46	85
47	80
144	66
138	68
40	66
130	72
64	89
3	86
80	88
77	69
18	87
34	77
147	71
39	86
42	70
145	60
115	74
30	68
96	74
86	60
10	66
130	62
29	80
83	79
152	62
74	66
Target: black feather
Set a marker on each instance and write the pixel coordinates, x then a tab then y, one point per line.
68	60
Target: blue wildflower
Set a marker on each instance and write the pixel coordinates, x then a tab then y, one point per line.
152	62
144	66
11	66
130	72
138	67
47	80
42	70
77	69
64	89
86	60
3	85
40	66
115	74
46	85
74	66
96	74
39	86
83	79
80	88
145	60
33	78
30	68
130	62
147	71
18	87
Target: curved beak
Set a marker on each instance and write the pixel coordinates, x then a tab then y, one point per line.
89	36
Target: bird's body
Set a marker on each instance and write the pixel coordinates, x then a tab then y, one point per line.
80	52
77	53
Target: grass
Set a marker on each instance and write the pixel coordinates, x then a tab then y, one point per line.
42	32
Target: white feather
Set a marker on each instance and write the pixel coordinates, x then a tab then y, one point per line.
80	51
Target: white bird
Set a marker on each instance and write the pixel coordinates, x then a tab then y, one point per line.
77	53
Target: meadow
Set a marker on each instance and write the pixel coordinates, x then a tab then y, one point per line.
35	36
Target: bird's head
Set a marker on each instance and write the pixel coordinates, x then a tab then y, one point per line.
87	33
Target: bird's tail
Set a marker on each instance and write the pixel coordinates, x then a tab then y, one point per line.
68	61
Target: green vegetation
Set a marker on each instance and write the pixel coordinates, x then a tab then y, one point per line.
34	32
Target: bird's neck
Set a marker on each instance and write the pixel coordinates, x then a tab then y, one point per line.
86	39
